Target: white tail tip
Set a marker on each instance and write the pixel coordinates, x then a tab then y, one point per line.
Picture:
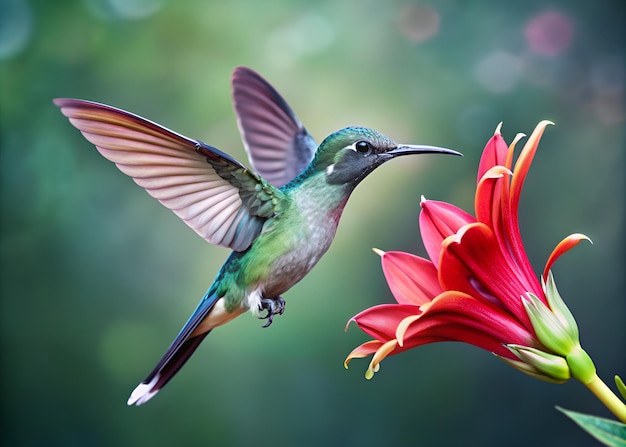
143	393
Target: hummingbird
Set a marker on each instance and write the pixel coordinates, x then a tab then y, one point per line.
278	219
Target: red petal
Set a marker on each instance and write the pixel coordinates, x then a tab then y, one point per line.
566	244
488	197
492	209
438	220
494	154
380	321
517	182
412	280
458	333
459	317
472	263
523	163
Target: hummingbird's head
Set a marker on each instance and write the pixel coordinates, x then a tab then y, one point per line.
349	155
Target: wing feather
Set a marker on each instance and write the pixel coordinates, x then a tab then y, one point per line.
278	145
214	194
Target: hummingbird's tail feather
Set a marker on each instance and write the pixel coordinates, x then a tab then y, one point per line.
162	374
177	354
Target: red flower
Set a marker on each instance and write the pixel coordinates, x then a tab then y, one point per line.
478	284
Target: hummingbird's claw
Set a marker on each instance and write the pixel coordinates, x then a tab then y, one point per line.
273	306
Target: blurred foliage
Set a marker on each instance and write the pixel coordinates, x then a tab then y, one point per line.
97	277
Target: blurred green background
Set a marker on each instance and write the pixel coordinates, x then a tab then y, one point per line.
97	277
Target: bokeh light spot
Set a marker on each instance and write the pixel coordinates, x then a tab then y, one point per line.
498	72
419	23
306	35
549	33
15	27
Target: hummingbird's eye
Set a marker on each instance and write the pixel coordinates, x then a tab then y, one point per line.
363	147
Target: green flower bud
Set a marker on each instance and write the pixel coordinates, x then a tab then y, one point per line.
529	370
558	306
549	365
551	332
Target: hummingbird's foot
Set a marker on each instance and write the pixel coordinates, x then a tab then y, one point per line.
273	306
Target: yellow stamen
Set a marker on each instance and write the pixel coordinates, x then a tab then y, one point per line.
378	357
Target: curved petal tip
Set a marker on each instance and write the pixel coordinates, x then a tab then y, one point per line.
545	123
403	326
378	251
345	329
378	357
496	172
498	129
566	244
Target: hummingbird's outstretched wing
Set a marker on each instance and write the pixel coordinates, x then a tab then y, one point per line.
213	193
278	145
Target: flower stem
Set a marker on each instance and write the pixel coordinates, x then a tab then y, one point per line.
607	397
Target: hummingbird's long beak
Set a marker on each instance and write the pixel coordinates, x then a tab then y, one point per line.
408	149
